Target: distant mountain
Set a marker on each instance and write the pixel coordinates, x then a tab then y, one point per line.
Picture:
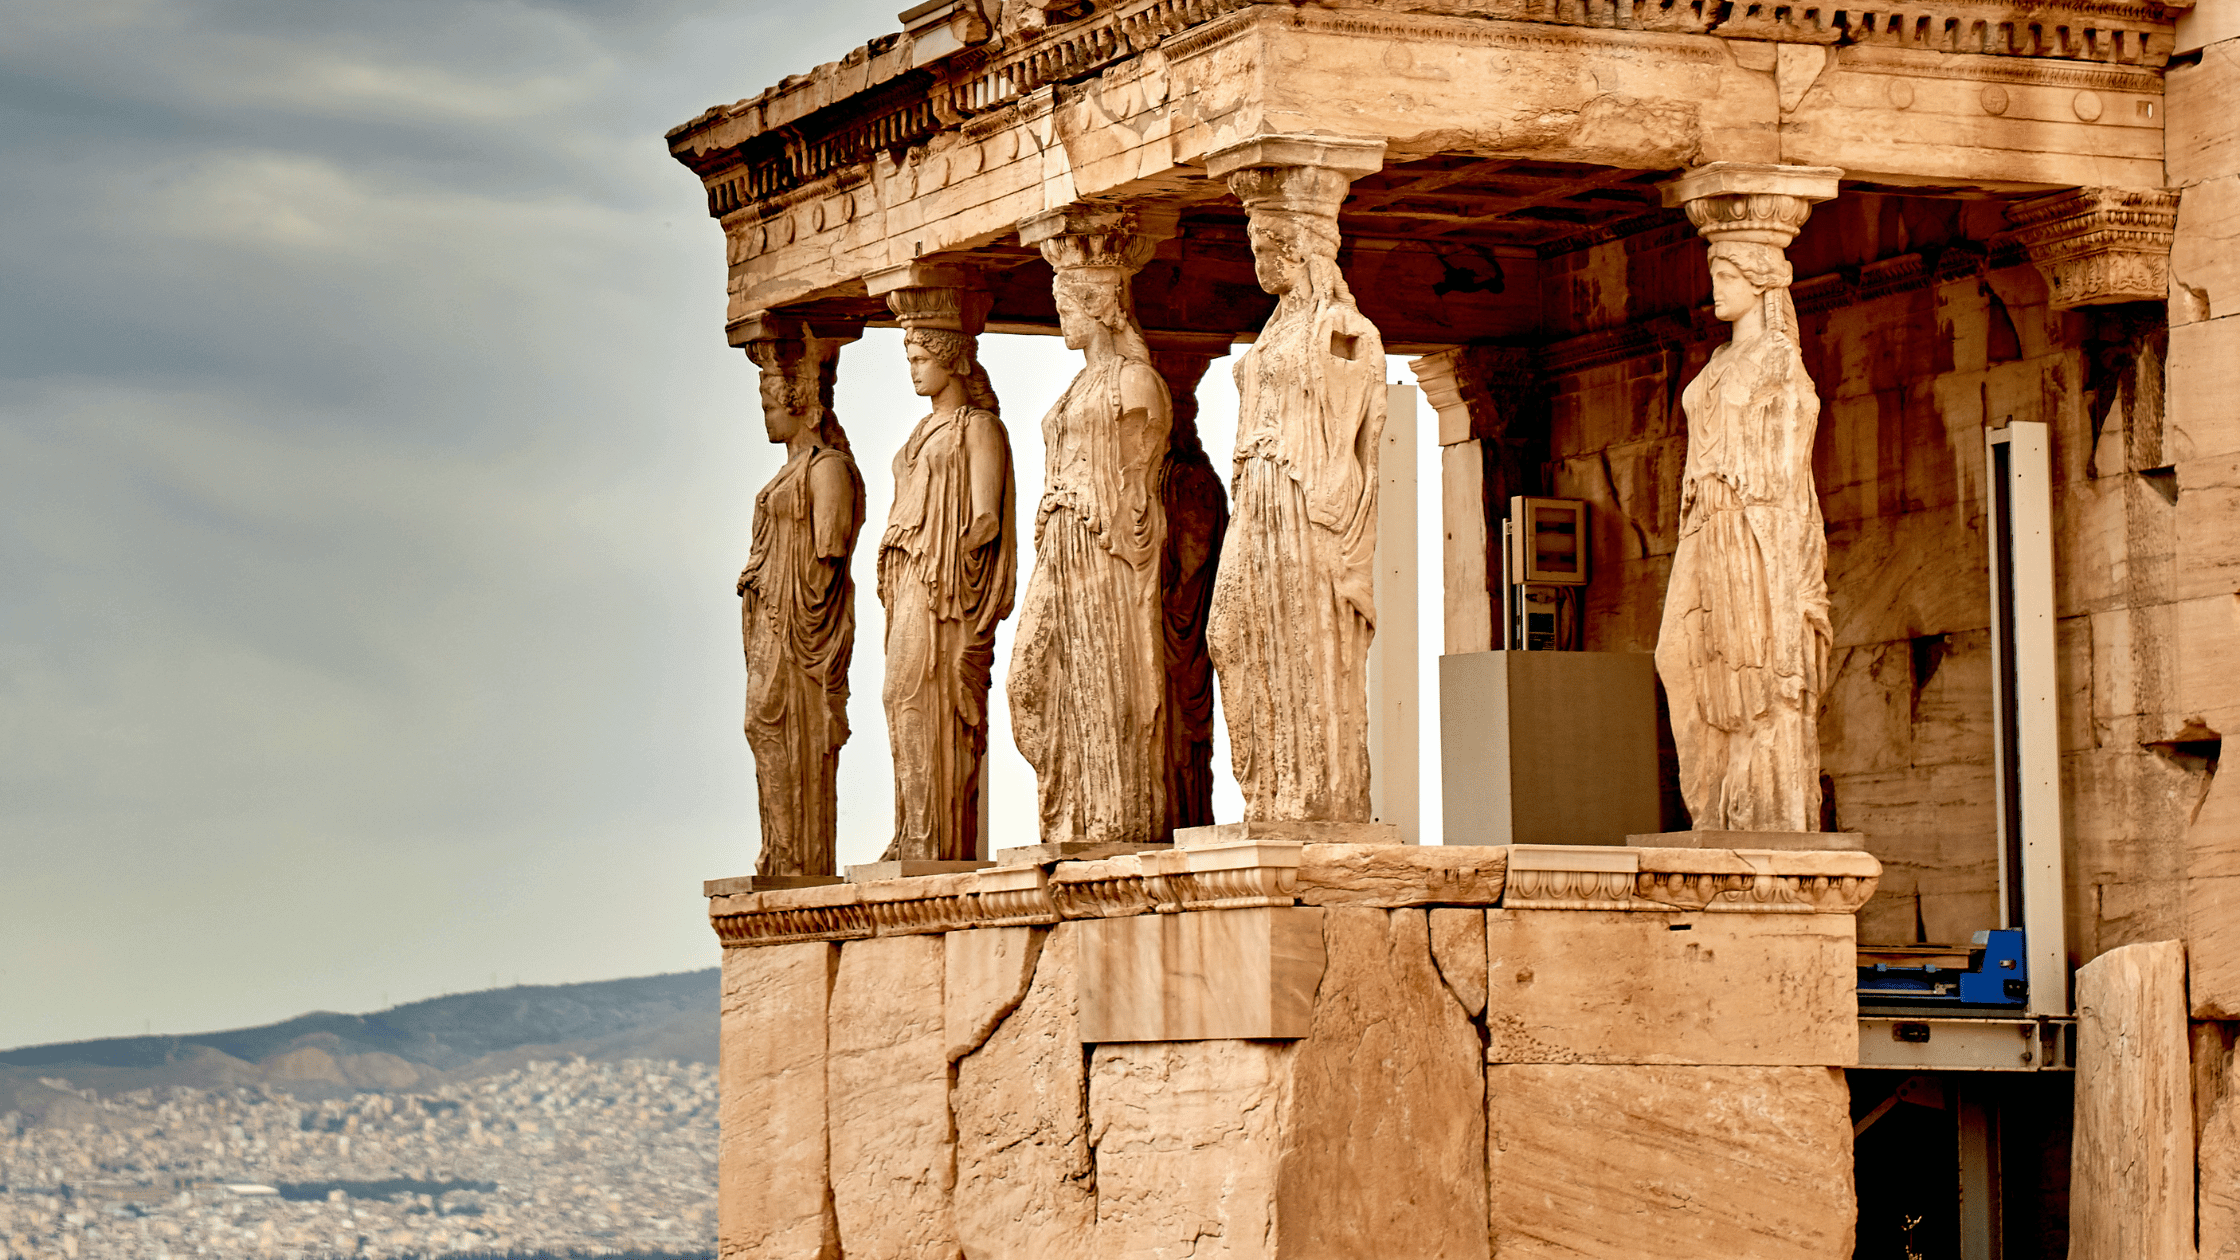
418	1045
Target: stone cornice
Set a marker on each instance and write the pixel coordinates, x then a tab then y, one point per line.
885	97
1272	873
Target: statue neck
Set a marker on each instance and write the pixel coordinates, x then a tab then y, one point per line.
1752	324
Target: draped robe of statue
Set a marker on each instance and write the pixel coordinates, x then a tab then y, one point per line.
1197	515
1088	673
1294	599
798	619
943	601
1743	648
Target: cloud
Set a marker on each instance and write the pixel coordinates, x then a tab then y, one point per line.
372	476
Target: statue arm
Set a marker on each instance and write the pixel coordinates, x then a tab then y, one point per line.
988	457
1146	416
832	507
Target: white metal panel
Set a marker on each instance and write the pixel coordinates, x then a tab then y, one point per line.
1395	693
2029	495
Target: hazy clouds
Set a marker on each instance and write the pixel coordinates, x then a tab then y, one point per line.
373	476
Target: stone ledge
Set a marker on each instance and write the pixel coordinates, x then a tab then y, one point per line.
1267	873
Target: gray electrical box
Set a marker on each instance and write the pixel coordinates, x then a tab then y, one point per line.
1548	747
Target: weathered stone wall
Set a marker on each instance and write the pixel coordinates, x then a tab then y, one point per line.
1502	1076
1921	329
2199	627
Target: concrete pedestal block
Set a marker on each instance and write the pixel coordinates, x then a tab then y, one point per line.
1547	747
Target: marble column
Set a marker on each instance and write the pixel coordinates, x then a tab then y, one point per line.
798	598
1744	642
1197	512
947	566
1087	665
1294	605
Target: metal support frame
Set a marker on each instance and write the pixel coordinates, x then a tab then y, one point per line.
2027	766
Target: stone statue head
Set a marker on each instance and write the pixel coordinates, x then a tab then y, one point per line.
1093	298
1747	276
1295	254
938	356
797	389
1294	229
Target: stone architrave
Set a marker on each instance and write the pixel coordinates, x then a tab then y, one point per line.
887	1081
798	599
1197	512
947	567
1294	605
1026	1183
2131	1176
1087	679
772	1196
1653	1163
1744	643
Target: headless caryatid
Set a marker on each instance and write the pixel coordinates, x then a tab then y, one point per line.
947	575
1293	602
1087	678
1197	512
1744	644
798	604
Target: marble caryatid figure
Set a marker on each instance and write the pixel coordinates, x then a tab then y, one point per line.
1087	677
1197	514
1293	602
798	602
947	575
1744	644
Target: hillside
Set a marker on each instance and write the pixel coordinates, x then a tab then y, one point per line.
457	1037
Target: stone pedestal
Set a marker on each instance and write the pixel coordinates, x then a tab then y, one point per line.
1221	835
1778	841
879	872
1282	1050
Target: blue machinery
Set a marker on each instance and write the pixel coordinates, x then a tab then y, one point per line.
1993	972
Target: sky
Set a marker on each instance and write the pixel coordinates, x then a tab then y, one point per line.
373	481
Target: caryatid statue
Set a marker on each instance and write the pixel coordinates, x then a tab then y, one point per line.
1294	605
1087	678
947	568
798	599
1197	513
1743	648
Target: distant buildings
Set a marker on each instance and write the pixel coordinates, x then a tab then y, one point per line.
574	1158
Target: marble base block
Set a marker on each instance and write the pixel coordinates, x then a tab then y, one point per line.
763	883
1072	851
874	872
1781	841
1221	835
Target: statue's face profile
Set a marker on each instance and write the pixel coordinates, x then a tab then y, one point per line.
1074	319
1276	262
1732	295
778	418
928	374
